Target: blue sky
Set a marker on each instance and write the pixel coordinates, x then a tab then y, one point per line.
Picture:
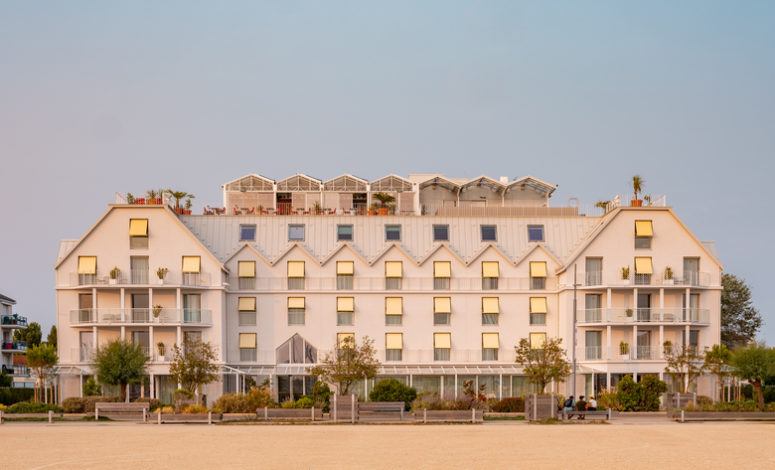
98	97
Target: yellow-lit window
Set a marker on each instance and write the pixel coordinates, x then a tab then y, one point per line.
192	264
138	227
442	309
490	346
247	346
394	341
247	304
345	340
538	274
87	265
246	268
296	269
344	275
442	271
644	228
643	266
490	273
538	310
394	306
537	340
345	304
296	311
442	344
393	274
490	310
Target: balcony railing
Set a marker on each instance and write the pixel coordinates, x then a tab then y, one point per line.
14	345
614	278
142	277
602	353
148	316
13	320
381	283
643	315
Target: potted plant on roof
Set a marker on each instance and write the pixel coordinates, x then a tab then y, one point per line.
626	275
637	187
669	276
114	273
150	196
384	199
187	210
179	196
161	273
130	198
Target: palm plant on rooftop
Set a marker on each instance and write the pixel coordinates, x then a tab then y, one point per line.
384	199
179	196
637	187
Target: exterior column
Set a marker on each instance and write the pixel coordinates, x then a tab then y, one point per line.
178	340
150	298
456	386
661	342
122	305
608	303
608	379
634	350
80	390
500	386
687	298
123	333
153	385
661	304
441	387
94	338
151	344
608	342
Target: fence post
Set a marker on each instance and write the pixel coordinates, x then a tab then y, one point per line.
209	417
145	417
535	406
402	415
682	415
694	398
473	415
266	413
50	416
158	416
313	414
336	415
424	415
609	414
96	413
352	408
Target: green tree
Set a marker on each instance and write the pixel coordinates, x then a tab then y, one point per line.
716	360
651	388
739	319
5	380
393	390
52	336
542	366
347	364
628	394
120	363
754	363
41	359
32	334
684	364
193	365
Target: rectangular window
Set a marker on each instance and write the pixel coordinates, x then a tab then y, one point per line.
442	271
394	345
296	232
643	271
643	234
593	311
643	243
192	308
394	310
247	346
442	310
344	275
87	270
296	310
345	308
441	233
296	275
537	340
490	346
538	310
691	311
692	271
247	232
490	274
593	348
247	318
392	232
490	310
393	275
442	344
535	233
138	269
344	232
246	270
345	340
489	233
138	234
192	266
538	274
593	271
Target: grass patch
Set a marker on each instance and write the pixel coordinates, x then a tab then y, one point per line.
504	418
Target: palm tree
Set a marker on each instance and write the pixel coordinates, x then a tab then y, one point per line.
384	198
178	195
637	185
603	205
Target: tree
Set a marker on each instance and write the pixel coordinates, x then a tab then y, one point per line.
684	364
193	365
739	319
543	365
347	364
32	334
716	360
393	390
52	336
120	363
41	359
383	198
754	363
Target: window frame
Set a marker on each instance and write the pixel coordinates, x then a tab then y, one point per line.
532	227
242	227
445	227
483	227
391	228
303	228
339	234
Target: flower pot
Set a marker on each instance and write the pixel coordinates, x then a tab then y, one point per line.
382	211
669	282
158	200
186	211
636	202
179	210
372	212
160	281
626	282
112	281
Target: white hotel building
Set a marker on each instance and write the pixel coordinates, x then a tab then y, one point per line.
445	287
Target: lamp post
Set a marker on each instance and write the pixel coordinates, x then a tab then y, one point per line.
575	332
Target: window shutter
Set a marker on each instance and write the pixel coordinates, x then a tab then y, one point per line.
246	268
138	227
442	305
490	341
191	264
442	340
345	268
394	306
490	269
490	305
538	269
247	304
247	340
442	269
393	269
87	265
345	304
394	341
643	266
295	269
341	338
296	302
644	228
537	304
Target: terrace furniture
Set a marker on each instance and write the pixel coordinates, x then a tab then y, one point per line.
604	415
387	411
251	211
237	211
121	410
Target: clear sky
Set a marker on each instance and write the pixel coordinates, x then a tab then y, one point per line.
98	97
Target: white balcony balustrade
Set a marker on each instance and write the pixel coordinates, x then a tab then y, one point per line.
643	315
147	316
330	283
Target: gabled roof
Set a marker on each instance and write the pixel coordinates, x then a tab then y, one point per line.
343	246
389	247
536	248
290	248
392	182
346	182
249	247
445	246
483	180
532	183
250	182
486	247
440	181
299	182
7	300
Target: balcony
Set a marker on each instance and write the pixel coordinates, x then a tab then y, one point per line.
330	284
602	353
142	278
140	316
614	279
13	321
643	315
14	346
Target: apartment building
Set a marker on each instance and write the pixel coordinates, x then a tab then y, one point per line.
9	322
446	285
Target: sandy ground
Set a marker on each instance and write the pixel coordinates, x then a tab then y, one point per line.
489	446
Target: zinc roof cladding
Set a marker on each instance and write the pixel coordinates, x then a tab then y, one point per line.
221	235
64	247
7	300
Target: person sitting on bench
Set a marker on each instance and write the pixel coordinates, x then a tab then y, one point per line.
581	405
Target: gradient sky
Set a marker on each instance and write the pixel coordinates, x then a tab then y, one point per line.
98	97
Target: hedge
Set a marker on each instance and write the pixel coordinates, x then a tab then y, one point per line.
9	396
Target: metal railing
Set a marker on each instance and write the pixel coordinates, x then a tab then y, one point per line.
603	353
142	277
330	283
14	319
14	345
155	316
614	278
644	315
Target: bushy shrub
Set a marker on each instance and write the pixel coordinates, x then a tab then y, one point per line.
288	404
194	409
89	402
153	402
27	407
167	409
703	400
643	396
607	400
431	401
91	388
183	394
257	397
304	402
745	405
9	396
628	394
393	390
73	405
509	405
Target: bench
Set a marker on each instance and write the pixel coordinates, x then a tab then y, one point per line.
381	411
449	416
121	409
302	414
604	415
